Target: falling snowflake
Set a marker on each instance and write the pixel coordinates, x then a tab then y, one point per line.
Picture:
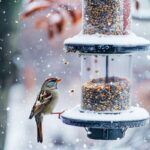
8	108
65	62
2	132
16	21
44	147
41	40
148	57
77	140
30	146
84	146
48	66
18	58
71	91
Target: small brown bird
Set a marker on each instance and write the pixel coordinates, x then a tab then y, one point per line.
45	103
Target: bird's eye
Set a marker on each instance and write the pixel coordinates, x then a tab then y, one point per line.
51	84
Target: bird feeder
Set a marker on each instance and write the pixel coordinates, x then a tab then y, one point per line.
106	46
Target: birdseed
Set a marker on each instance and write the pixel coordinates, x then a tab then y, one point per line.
97	95
106	16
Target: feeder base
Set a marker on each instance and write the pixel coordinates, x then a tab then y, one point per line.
103	44
105	134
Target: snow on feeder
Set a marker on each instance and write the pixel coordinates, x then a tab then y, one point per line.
106	46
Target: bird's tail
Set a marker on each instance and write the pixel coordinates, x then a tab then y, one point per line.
39	132
31	115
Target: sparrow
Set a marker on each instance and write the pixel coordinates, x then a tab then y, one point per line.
45	103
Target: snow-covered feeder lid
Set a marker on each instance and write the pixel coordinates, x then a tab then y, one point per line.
106	44
141	9
134	117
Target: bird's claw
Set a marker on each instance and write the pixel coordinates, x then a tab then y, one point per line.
59	114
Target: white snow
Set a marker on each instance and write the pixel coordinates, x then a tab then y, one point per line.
55	18
125	40
18	58
8	108
148	57
133	114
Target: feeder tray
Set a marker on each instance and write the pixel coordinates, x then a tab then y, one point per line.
105	125
106	44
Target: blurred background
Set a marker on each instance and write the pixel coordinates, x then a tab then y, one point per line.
31	49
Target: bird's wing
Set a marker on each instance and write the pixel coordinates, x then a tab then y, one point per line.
41	102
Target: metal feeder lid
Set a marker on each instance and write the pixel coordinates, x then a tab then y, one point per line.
106	44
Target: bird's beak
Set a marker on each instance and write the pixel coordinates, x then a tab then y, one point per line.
58	80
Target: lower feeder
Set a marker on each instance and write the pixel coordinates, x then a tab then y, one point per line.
106	110
106	126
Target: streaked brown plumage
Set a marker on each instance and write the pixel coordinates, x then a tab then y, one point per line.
44	104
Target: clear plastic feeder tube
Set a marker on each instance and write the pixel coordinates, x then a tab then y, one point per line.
106	82
109	17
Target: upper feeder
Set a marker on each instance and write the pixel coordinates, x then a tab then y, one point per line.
105	110
106	29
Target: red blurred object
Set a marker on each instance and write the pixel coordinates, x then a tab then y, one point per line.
127	11
137	5
74	14
31	1
34	7
60	12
